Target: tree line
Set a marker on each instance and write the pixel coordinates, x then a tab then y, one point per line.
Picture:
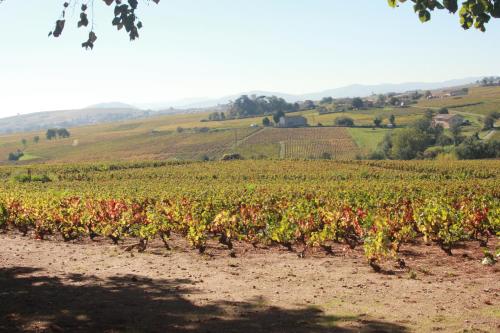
252	106
54	133
425	140
489	81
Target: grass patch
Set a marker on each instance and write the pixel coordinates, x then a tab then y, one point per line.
29	157
368	139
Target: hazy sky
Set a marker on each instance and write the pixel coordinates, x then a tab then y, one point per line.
212	48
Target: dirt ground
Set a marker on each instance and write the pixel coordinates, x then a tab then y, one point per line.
52	286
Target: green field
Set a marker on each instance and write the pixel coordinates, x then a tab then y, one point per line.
368	138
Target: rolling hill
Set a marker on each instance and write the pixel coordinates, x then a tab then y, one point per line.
346	91
68	118
187	136
118	111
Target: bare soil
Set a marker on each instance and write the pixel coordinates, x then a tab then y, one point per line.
52	286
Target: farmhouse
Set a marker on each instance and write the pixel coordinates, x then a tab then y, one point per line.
296	121
447	120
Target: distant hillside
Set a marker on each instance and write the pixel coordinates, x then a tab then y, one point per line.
68	118
118	111
112	105
355	90
359	90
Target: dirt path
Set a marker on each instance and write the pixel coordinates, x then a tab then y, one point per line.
490	134
246	138
50	286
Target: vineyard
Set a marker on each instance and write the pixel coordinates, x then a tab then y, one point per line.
340	149
131	141
378	206
306	143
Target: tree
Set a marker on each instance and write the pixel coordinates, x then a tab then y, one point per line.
377	121
427	94
24	142
357	103
124	17
266	122
411	142
416	95
63	133
472	13
216	116
326	100
246	106
394	101
444	140
381	99
408	142
392	120
423	124
277	116
36	139
308	105
15	156
489	81
489	123
456	133
443	111
51	134
474	148
344	121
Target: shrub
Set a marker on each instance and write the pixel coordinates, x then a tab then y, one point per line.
26	178
432	152
201	129
231	157
444	140
408	142
474	148
326	156
15	156
344	121
377	155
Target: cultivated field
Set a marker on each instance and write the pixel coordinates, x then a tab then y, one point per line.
302	143
480	101
250	246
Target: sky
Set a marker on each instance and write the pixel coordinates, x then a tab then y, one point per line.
213	48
